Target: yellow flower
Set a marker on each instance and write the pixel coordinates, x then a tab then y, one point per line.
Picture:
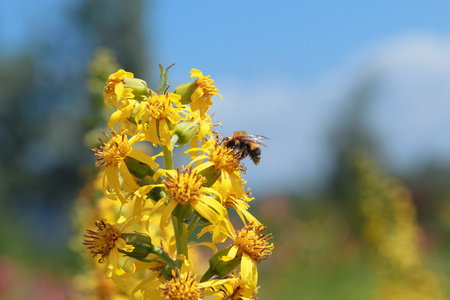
221	164
236	290
181	288
124	117
205	129
114	90
253	247
186	287
240	205
106	242
112	156
202	96
185	188
158	115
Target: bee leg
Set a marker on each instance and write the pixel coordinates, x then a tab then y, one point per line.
244	153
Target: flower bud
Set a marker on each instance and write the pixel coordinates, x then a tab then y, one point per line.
184	133
144	173
138	169
210	174
142	245
138	86
219	267
186	90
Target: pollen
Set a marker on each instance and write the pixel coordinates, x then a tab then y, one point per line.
113	151
181	288
185	187
256	245
225	159
102	241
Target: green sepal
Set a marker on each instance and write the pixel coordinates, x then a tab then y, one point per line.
186	90
183	211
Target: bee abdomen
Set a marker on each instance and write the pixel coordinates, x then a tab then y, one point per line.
255	155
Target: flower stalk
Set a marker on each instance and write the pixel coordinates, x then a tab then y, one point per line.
161	207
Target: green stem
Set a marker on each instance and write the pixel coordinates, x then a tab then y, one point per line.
180	237
164	256
193	224
168	159
208	274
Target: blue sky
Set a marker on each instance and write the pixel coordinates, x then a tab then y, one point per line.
286	68
298	39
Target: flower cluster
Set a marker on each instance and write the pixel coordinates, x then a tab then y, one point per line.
391	228
183	202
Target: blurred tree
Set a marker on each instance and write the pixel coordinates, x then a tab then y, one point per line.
350	134
46	112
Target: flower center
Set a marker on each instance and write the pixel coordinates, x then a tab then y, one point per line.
225	159
256	245
159	107
182	288
207	85
163	106
103	240
114	151
185	187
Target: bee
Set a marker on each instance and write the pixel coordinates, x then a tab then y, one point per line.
245	145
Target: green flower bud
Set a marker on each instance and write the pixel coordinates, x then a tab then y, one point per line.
211	176
138	169
184	133
144	173
219	267
139	87
142	245
186	90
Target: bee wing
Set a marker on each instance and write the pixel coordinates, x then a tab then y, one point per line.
256	139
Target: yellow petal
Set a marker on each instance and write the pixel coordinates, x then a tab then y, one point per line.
164	134
233	251
249	273
113	181
165	217
207	244
152	133
196	73
115	117
142	157
127	177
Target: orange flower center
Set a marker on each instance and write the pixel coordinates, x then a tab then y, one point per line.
114	151
182	288
256	245
185	187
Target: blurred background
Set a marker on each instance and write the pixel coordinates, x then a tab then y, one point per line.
354	183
